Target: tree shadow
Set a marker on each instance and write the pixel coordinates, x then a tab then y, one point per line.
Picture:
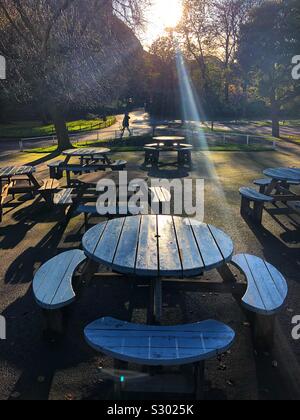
22	269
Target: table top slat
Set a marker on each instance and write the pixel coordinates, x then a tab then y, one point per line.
208	248
106	248
191	259
147	255
169	257
125	257
224	243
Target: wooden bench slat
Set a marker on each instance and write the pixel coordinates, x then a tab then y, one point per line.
267	289
52	284
159	346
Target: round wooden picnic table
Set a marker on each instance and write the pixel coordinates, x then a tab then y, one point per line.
169	139
158	246
283	174
154	246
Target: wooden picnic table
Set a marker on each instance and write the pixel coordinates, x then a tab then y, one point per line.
9	172
87	153
281	177
169	139
156	247
91	160
153	150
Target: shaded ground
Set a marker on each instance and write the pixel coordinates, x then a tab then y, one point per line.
31	368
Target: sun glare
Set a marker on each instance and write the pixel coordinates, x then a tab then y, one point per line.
162	15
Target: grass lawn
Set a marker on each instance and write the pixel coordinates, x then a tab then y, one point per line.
36	129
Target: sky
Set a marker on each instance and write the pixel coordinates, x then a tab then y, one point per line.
162	14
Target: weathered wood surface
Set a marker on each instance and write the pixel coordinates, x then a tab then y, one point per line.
159	346
52	284
283	174
64	197
267	288
49	185
11	171
86	152
161	245
254	195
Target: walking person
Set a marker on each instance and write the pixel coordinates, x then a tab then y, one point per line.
126	125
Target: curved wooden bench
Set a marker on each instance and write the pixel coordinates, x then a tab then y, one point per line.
266	294
158	345
267	288
263	184
52	284
249	195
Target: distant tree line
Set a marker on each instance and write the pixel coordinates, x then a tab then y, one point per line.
239	56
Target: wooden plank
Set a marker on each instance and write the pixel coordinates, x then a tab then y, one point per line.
125	257
169	258
159	346
63	197
224	243
209	250
52	284
191	259
91	239
106	248
147	254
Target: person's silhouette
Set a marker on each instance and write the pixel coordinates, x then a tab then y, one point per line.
126	125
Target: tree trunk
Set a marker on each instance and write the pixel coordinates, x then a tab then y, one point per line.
275	120
63	140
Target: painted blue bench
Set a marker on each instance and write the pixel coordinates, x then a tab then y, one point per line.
266	293
161	345
249	195
52	285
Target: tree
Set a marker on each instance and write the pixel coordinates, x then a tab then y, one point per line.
267	45
210	28
64	53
